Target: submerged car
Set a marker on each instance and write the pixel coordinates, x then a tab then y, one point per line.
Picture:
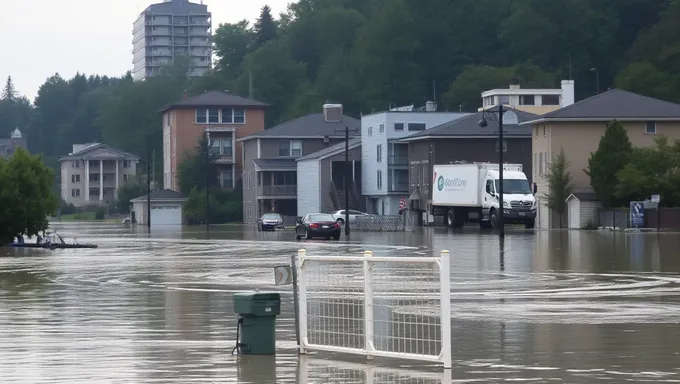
339	216
320	225
270	222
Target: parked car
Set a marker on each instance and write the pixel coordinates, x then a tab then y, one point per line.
318	225
270	222
339	216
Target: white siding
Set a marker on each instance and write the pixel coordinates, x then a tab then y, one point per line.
589	212
309	184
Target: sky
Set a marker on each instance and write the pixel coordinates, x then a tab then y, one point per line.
39	38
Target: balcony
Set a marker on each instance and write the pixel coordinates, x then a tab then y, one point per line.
274	191
397	160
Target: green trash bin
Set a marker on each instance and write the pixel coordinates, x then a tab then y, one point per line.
257	322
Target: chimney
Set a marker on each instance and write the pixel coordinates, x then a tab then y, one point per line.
332	113
514	83
567	93
430	106
185	94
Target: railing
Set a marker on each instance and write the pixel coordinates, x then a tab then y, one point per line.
397	160
398	187
379	223
395	307
277	190
315	370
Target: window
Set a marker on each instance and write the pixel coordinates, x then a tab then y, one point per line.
416	127
650	128
75	164
126	163
505	145
290	148
527	100
75	192
370	131
94	177
75	178
227	147
382	128
227	116
398	126
201	116
551	100
239	116
489	186
226	179
284	148
213	115
233	116
379	179
126	177
378	149
504	99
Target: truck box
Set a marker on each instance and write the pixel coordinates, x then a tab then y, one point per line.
461	185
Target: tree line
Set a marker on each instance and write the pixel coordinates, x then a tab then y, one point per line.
368	55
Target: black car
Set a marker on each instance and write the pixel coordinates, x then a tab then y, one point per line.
317	225
270	222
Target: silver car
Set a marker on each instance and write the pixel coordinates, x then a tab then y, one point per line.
339	216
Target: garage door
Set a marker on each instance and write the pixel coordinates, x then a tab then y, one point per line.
166	215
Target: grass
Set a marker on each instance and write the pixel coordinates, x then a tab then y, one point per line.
83	216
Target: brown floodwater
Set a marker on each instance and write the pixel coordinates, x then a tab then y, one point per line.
547	306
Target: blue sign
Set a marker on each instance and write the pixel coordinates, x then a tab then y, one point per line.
637	214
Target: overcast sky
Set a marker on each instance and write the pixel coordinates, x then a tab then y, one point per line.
41	37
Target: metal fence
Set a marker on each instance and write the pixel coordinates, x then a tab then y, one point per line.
397	307
330	371
379	223
614	218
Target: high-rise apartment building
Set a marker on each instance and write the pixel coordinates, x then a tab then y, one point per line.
169	30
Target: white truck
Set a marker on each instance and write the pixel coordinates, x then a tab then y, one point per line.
469	193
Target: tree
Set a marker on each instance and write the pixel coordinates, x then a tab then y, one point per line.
232	42
192	171
559	183
26	198
265	26
128	192
613	153
8	91
645	78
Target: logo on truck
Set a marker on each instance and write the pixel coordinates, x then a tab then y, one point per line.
450	183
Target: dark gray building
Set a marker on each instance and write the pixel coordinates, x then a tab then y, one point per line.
8	146
270	176
465	140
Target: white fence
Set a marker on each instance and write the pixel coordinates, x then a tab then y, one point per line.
376	306
329	371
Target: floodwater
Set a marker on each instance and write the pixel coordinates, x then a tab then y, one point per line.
571	307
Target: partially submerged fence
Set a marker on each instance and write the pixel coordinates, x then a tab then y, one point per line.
397	307
311	370
379	223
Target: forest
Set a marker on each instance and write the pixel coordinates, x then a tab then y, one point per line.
367	55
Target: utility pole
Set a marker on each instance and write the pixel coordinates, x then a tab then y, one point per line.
148	188
501	206
207	182
348	176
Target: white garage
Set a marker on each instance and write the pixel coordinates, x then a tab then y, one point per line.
582	210
166	208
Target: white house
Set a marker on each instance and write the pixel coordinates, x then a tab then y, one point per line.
166	208
384	161
532	100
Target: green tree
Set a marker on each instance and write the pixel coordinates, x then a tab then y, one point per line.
26	198
197	168
265	26
560	183
128	192
8	91
225	206
647	79
612	155
232	42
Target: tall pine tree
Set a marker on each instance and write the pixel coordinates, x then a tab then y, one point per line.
8	91
612	155
265	26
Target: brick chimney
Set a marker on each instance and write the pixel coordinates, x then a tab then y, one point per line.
332	113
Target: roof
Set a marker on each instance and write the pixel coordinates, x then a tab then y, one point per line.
104	152
332	150
309	127
582	196
160	195
176	7
215	99
283	164
615	104
468	126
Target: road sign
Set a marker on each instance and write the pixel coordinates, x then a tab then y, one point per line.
283	275
637	214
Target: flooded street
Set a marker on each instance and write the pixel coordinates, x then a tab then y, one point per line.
570	307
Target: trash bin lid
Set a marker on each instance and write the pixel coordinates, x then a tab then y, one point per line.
257	296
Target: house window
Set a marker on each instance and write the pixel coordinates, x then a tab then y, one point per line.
503	99
416	127
94	177
213	115
233	116
227	147
290	148
505	145
75	192
382	128
226	179
75	164
650	128
201	116
227	115
551	100
378	149
126	177
284	148
75	178
527	100
239	116
370	131
126	163
379	179
398	126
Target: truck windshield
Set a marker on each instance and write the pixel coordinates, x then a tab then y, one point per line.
514	186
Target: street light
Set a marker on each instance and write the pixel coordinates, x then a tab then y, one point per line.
483	123
597	78
347	174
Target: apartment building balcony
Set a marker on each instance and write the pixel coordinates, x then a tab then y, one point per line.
277	191
397	160
397	181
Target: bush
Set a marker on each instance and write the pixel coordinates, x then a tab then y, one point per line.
100	213
67	208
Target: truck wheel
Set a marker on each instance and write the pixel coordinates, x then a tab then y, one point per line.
485	224
450	218
530	224
493	219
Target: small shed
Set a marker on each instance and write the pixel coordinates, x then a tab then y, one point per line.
166	208
582	209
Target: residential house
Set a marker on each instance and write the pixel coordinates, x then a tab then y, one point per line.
92	173
537	101
9	146
578	129
270	172
464	140
219	115
384	160
166	209
321	179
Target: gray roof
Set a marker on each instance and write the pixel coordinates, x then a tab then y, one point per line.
583	196
332	150
615	104
176	7
468	126
163	194
82	153
310	126
215	99
281	164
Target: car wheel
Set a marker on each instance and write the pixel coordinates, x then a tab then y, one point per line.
336	237
298	237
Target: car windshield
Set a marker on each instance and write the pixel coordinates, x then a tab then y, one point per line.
514	186
321	217
271	216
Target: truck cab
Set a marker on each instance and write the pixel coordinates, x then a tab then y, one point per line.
519	203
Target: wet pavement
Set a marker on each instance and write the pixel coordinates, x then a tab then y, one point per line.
553	306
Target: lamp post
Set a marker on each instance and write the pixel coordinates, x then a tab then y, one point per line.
347	174
148	189
597	78
501	203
